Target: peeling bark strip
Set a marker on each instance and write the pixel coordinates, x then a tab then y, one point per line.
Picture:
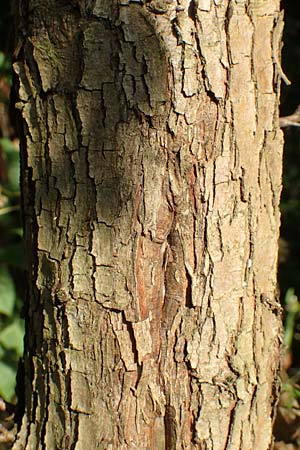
151	163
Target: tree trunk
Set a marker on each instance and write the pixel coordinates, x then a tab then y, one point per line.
151	176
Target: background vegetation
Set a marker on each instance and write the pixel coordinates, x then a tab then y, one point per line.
11	251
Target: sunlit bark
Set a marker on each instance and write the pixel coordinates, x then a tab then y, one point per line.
151	176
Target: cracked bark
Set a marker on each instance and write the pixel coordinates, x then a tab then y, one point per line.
151	176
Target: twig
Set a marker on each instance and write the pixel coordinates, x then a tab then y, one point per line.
291	121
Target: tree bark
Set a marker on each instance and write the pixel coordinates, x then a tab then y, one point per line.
151	177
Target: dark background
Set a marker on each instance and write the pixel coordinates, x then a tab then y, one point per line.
289	254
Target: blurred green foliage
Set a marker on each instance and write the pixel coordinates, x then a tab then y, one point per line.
292	310
5	67
292	391
11	253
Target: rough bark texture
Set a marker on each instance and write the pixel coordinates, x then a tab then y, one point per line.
151	162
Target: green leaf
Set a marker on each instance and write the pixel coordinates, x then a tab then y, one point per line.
2	352
13	254
13	174
16	231
7	382
5	65
7	292
2	59
8	146
11	337
13	164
